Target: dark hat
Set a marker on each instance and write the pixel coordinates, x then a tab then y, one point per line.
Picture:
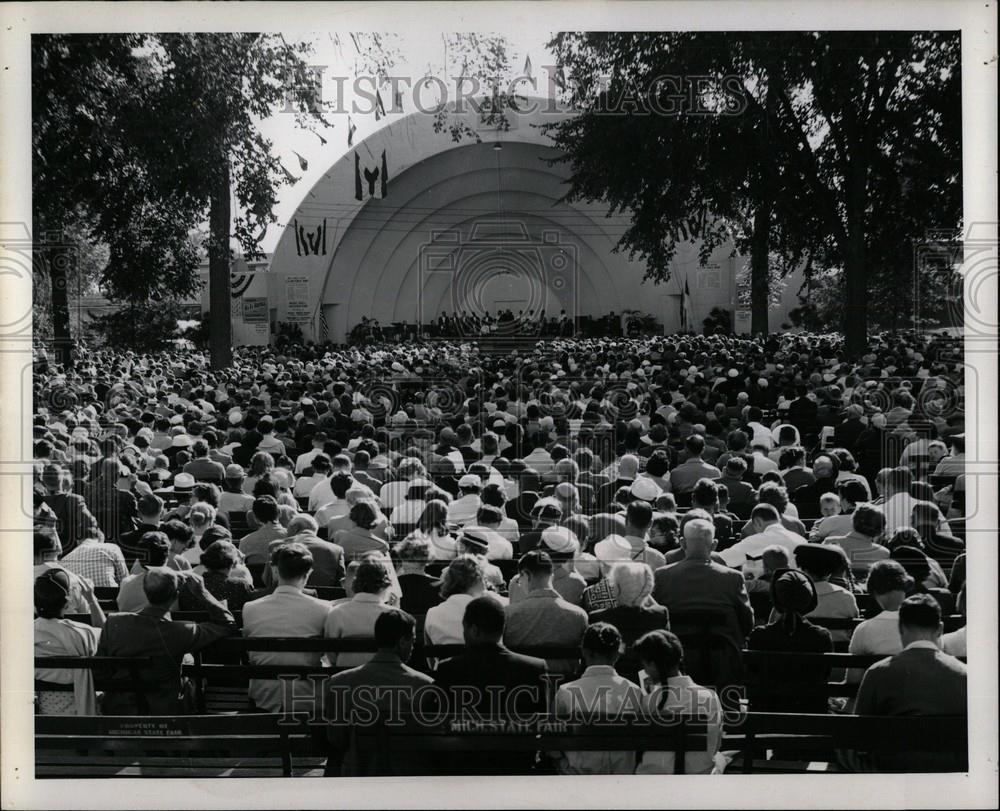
475	538
820	560
793	592
52	588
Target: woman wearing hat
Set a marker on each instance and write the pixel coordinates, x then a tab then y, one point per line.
57	636
824	563
781	687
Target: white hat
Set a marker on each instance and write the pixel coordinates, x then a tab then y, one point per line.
613	549
183	481
645	489
181	441
560	540
470	480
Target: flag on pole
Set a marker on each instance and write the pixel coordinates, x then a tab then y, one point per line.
527	66
351	128
379	106
686	307
303	163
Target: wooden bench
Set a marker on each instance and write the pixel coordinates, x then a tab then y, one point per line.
99	665
168	746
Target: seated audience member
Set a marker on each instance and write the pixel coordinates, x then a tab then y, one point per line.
153	553
954	642
420	590
57	636
699	584
285	612
328	557
256	545
931	526
684	477
46	557
489	520
232	499
355	618
786	687
222	576
919	680
777	496
150	511
868	522
599	693
475	541
635	612
489	679
99	562
547	512
349	697
768	530
149	633
560	544
463	509
663	533
432	523
705	496
361	538
380	524
760	571
638	517
823	564
851	494
462	582
742	496
542	616
671	691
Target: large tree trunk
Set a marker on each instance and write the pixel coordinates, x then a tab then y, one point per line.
856	295
759	270
220	329
57	258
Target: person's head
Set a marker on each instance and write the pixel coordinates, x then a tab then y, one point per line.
957	444
852	493
762	516
661	655
370	577
483	621
153	549
547	512
868	520
414	551
698	538
434	518
221	556
821	561
631	582
179	533
464	575
535	569
51	593
201	516
364	514
898	481
302	524
340	482
395	630
161	586
705	495
489	517
829	505
695	445
926	518
265	509
560	544
793	594
663	532
920	619
601	644
888	583
774	557
736	467
638	517
292	563
775	495
150	509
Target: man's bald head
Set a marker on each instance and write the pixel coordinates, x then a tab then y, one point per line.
698	539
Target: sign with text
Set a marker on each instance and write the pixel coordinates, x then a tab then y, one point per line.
254	310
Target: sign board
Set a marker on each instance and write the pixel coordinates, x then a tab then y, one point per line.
254	310
298	308
742	325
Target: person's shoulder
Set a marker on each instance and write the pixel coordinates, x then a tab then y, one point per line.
525	662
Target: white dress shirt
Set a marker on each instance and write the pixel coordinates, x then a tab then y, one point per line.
736	555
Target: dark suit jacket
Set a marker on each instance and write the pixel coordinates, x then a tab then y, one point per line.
918	681
491	671
149	633
699	585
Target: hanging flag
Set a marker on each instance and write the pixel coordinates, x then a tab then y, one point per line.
527	66
686	305
379	106
303	163
397	102
370	177
292	179
351	128
322	140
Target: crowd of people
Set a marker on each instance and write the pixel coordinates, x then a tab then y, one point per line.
598	495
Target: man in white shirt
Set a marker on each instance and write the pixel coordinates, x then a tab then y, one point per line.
286	612
331	492
393	493
321	468
539	459
768	530
599	694
898	507
305	460
463	509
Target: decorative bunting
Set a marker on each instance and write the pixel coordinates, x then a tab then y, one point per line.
303	163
